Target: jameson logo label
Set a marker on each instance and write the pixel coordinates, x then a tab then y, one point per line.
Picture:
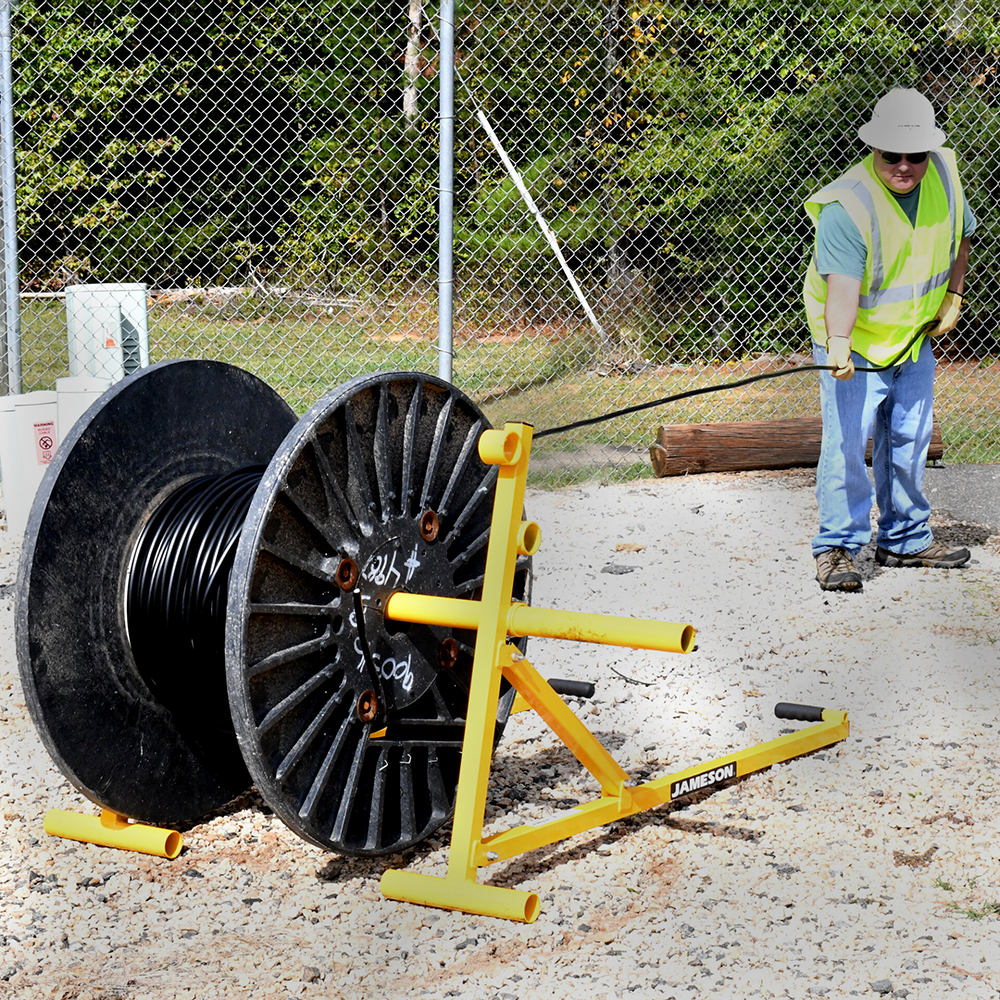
714	776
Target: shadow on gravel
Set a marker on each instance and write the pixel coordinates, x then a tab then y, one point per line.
960	533
864	563
532	781
540	864
250	799
524	782
955	534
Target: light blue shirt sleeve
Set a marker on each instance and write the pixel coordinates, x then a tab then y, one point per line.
968	220
840	248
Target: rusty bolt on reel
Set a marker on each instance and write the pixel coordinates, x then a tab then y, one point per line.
367	707
347	574
448	653
430	525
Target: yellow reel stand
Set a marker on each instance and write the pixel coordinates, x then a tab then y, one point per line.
496	619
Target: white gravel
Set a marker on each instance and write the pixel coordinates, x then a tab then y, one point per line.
868	868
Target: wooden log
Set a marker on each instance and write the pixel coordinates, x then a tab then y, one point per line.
748	444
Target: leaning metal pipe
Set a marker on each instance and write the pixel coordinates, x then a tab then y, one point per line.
446	191
522	620
529	202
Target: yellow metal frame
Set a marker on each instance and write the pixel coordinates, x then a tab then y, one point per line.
496	618
113	830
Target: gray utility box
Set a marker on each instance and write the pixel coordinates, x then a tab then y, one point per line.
107	329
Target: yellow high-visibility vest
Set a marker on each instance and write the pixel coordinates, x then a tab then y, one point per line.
907	267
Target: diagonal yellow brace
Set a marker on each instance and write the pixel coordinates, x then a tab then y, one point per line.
539	695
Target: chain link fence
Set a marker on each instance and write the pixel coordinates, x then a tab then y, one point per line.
270	173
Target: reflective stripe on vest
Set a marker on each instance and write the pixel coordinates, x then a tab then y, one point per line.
893	301
903	293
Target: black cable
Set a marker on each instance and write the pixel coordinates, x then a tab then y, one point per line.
730	385
175	609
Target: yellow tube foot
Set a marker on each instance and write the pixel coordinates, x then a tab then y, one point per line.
111	830
469	897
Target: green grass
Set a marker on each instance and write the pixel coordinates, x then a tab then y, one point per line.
975	913
543	375
970	910
967	405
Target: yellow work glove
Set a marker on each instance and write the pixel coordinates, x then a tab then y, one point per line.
947	315
838	354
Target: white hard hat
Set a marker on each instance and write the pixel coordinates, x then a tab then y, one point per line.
902	122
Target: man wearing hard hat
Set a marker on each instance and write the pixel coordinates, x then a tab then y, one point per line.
892	246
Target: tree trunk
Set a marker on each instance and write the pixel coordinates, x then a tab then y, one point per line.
748	444
411	61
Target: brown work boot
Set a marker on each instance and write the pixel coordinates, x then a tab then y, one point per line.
936	555
835	571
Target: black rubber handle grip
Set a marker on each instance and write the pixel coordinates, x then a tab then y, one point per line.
575	689
801	713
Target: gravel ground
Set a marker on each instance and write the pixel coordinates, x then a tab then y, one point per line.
867	868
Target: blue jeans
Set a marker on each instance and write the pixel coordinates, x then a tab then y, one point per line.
894	408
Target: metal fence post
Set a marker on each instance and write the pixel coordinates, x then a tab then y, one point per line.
446	191
10	349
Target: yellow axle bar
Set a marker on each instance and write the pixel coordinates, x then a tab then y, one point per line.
522	619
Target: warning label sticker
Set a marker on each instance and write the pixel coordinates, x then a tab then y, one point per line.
45	441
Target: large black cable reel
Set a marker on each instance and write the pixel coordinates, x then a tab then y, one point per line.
200	595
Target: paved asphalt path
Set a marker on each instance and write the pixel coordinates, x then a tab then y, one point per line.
968	492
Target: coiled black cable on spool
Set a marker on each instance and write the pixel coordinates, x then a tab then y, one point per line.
175	606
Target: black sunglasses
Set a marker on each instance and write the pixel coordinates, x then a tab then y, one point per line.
893	158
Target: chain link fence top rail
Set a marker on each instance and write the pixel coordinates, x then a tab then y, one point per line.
270	173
